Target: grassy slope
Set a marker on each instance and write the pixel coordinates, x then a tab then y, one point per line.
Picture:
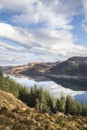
15	115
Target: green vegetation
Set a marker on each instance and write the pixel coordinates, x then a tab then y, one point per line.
9	85
47	113
41	100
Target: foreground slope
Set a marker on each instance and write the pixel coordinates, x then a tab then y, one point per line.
9	101
15	115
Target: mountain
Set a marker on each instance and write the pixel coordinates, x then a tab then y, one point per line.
33	70
71	73
1	68
75	66
5	68
15	115
37	68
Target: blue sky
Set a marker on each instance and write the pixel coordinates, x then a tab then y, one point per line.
42	30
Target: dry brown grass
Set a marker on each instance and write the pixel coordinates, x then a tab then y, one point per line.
21	117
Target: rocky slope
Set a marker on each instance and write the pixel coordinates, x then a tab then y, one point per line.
15	115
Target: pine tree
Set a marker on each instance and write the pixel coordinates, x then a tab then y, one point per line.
84	109
78	109
70	105
24	94
50	103
60	104
1	74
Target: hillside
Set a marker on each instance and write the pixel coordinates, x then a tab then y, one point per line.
71	73
33	70
75	66
15	115
10	102
46	112
37	69
1	68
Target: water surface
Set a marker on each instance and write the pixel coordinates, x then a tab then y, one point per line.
55	89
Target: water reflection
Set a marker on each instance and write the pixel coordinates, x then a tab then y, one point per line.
77	84
81	97
55	89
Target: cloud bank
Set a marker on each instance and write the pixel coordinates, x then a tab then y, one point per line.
38	30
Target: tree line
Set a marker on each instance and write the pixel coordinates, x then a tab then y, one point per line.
41	99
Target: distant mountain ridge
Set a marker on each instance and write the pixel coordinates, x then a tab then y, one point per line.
74	66
5	68
32	70
72	71
1	68
80	60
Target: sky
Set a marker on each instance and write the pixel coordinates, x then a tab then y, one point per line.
42	30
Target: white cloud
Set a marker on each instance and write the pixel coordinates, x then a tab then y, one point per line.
16	4
84	25
85	6
84	22
6	47
16	34
52	13
51	38
37	45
